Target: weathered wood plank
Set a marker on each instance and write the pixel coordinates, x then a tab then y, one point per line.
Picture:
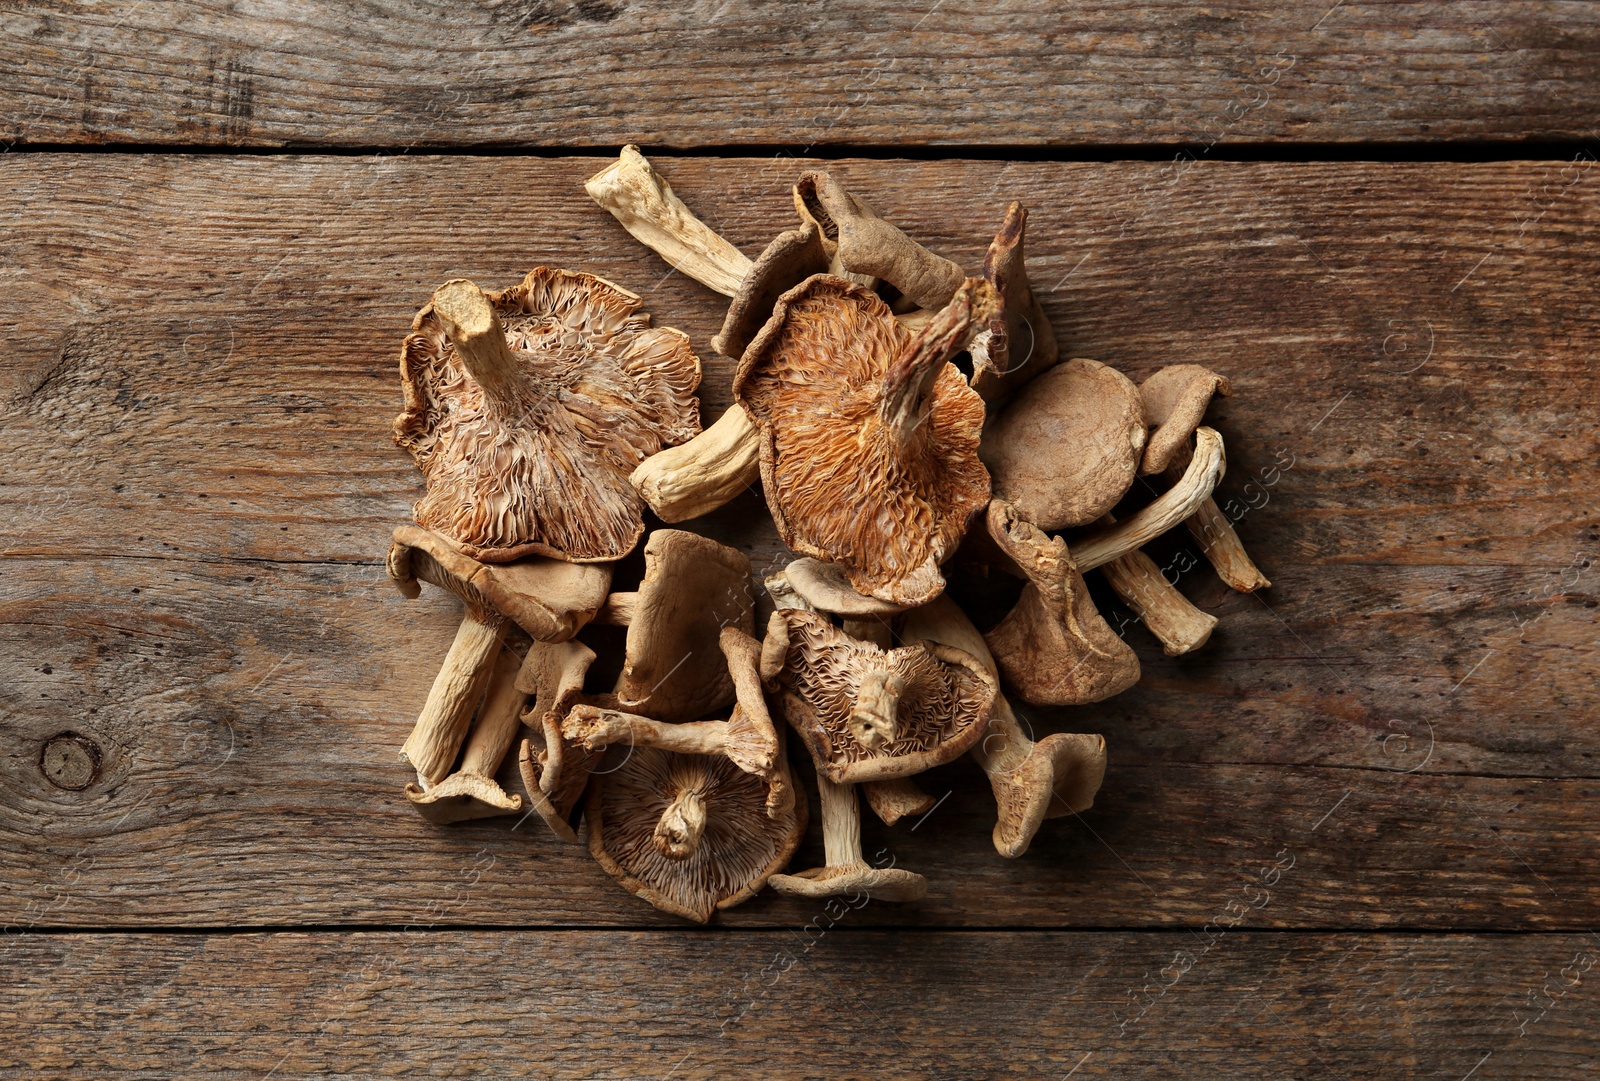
558	73
827	1001
199	482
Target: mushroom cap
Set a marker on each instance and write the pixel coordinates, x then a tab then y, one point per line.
942	709
1175	401
792	257
461	797
1060	776
549	598
599	390
878	883
814	381
693	587
826	587
741	846
1067	448
1054	647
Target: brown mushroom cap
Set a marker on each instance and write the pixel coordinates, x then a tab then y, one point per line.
527	442
1175	401
1020	343
792	257
939	698
554	769
1054	647
737	849
851	406
693	587
549	598
1067	448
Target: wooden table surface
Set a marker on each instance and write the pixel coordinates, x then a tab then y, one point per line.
1355	836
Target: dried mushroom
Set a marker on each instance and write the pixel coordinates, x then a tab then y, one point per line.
471	792
1195	486
867	713
1019	343
844	871
1175	399
846	400
689	833
871	247
1058	775
1177	624
642	200
554	770
527	409
693	588
1068	446
793	256
549	599
1054	647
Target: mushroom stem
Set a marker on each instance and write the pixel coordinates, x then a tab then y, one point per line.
1218	542
642	200
597	728
457	689
1031	781
682	825
841	823
474	329
698	476
873	721
471	792
1179	625
618	610
1199	479
908	383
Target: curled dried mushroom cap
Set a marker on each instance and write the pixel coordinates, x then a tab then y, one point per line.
850	403
869	714
526	410
1175	400
689	833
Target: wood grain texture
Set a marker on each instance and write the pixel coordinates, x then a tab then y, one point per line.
199	377
826	1001
596	73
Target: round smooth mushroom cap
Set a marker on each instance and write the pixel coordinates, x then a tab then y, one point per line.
863	463
1068	446
942	698
739	846
537	460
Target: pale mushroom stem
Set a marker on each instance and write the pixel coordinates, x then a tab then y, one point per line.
597	728
643	202
1179	626
498	721
457	689
471	792
1176	623
841	823
1198	481
874	721
474	329
697	477
1218	542
618	610
682	824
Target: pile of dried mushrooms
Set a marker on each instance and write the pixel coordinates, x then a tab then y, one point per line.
905	421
